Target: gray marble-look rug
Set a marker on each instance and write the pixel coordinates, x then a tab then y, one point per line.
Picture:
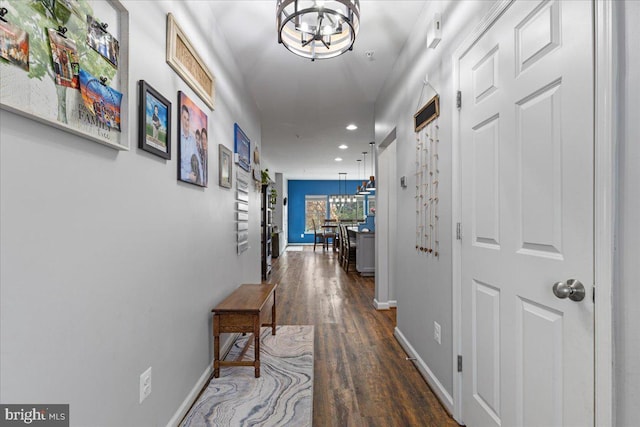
282	396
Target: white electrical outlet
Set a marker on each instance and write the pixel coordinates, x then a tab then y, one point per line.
436	332
302	235
145	384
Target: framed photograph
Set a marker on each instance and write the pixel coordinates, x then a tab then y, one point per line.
182	57
100	40
66	65
14	45
154	122
225	165
103	101
242	146
192	142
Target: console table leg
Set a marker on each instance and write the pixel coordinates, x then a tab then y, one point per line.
256	346
273	315
216	346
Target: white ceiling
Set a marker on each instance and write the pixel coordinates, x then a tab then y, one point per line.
305	106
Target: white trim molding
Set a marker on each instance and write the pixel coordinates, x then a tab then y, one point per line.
604	207
191	397
384	305
435	385
182	410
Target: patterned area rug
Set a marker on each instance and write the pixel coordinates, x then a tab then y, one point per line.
282	396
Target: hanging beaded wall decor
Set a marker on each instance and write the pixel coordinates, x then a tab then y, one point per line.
427	177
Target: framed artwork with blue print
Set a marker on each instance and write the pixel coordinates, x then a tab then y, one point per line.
242	148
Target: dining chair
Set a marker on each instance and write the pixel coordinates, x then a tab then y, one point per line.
349	249
341	244
318	235
330	233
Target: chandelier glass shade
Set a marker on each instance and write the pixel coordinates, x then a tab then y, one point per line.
318	29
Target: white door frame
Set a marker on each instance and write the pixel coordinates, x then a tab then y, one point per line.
382	299
604	204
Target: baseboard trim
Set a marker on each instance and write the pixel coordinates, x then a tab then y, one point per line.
200	384
384	305
437	387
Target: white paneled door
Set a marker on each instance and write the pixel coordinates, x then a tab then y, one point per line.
526	127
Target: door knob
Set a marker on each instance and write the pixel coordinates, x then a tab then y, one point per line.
573	289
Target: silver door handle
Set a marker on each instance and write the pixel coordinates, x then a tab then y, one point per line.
573	289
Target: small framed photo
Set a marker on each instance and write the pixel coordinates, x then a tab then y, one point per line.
243	148
154	122
225	160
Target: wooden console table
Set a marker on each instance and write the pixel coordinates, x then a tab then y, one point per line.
245	310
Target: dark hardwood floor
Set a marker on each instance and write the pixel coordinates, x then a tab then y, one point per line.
361	375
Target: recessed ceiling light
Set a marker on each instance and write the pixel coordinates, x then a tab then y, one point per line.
352	127
338	159
343	146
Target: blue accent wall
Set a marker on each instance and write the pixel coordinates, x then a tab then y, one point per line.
298	189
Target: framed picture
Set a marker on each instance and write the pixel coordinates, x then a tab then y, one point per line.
242	148
182	57
51	91
192	142
225	165
154	122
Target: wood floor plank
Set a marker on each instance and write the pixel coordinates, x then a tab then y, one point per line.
361	376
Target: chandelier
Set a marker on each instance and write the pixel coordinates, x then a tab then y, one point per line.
318	29
342	197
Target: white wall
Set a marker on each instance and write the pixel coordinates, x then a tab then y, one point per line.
423	285
627	291
109	265
386	184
